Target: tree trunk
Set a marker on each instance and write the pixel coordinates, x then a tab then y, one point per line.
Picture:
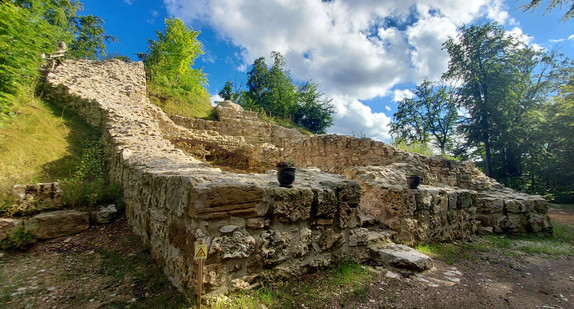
488	160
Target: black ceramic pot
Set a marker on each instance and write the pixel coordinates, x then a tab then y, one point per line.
285	176
414	181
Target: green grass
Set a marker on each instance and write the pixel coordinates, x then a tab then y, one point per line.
44	143
558	244
173	103
41	143
350	280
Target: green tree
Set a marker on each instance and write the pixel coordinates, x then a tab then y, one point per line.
485	59
90	39
431	113
281	93
533	4
23	38
170	58
313	110
271	89
256	84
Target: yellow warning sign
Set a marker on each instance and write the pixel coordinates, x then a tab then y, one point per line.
200	252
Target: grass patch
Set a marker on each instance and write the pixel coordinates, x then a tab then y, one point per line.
174	103
349	280
44	143
557	244
18	239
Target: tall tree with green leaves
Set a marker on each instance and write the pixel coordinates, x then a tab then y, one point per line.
431	114
484	59
281	94
170	59
533	4
313	110
256	85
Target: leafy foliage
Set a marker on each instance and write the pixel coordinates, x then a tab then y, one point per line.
432	112
29	29
18	239
272	90
533	4
169	60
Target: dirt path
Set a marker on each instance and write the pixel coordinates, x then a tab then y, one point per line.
106	267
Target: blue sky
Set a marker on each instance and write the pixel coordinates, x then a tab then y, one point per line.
364	55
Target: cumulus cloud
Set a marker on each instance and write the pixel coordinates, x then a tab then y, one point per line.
400	94
355	50
214	99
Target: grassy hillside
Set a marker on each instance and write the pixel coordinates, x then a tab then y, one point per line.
173	103
44	143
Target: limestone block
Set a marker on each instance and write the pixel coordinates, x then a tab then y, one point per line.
348	217
303	243
239	245
58	223
256	223
214	275
326	203
104	215
7	225
326	239
400	256
214	201
358	237
539	223
275	248
291	204
490	205
515	206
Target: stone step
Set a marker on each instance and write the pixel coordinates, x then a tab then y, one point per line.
400	256
380	237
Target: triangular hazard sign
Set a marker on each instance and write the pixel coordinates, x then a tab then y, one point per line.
200	253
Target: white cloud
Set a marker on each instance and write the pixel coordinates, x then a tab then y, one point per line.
355	50
129	2
388	108
214	99
556	41
153	14
571	37
399	95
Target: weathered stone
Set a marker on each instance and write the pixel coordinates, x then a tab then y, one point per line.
291	205
104	215
326	239
256	223
367	220
358	237
326	203
303	243
226	229
7	225
401	257
239	245
275	248
58	223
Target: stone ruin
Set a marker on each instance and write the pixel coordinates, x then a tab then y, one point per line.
186	180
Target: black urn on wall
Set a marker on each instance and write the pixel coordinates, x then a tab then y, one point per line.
286	173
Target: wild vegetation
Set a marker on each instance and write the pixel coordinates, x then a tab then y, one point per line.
272	90
40	142
511	111
173	83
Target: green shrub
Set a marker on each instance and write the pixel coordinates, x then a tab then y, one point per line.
18	239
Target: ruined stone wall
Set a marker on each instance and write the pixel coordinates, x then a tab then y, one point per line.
453	202
252	225
234	121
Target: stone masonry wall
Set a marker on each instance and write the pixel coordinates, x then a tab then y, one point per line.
234	121
252	225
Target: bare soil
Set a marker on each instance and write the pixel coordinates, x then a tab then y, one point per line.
106	267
